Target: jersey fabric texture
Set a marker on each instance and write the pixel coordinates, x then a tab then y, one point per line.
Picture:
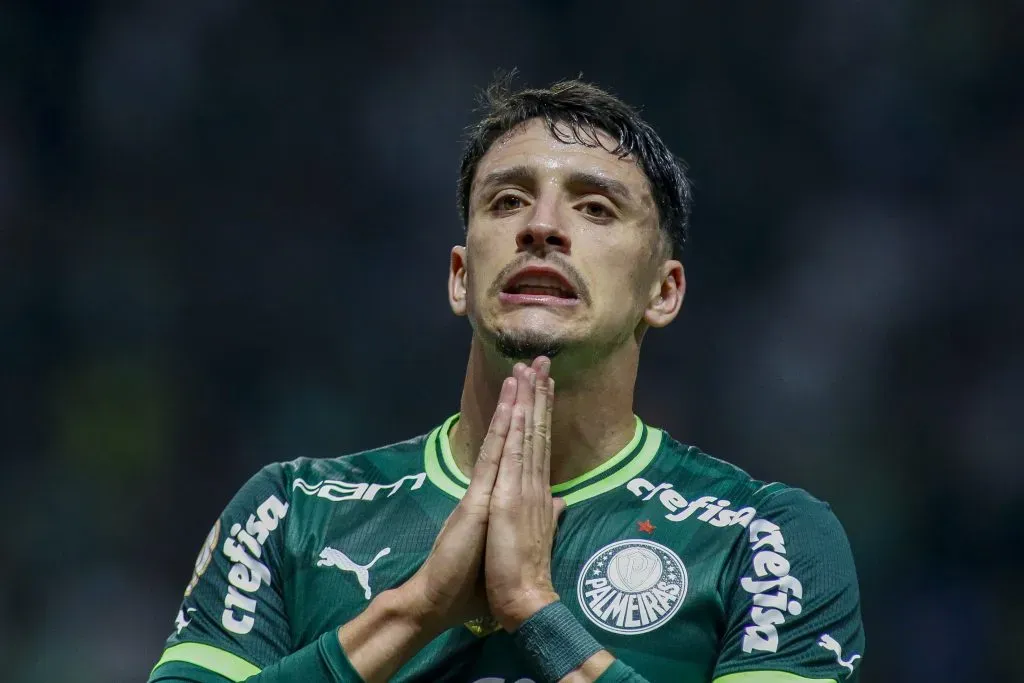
681	565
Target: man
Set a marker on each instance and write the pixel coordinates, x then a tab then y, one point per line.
539	534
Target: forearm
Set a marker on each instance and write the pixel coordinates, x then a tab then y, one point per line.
592	669
602	667
371	647
322	661
560	649
385	636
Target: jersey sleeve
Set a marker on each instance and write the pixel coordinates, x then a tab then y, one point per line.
232	622
791	598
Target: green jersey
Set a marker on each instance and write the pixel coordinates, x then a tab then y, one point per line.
679	564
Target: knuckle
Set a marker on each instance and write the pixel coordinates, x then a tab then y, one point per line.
504	506
470	506
485	456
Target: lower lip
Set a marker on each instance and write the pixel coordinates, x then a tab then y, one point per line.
536	300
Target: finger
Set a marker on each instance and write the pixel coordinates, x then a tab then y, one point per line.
507	486
541	432
546	458
485	470
529	441
557	508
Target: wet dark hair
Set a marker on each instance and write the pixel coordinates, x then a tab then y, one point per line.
573	112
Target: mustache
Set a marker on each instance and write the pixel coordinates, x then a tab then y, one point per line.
570	273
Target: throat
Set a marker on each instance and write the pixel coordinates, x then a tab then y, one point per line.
576	454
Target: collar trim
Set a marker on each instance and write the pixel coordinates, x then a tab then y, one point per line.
635	456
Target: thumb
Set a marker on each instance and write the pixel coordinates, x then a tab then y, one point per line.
557	508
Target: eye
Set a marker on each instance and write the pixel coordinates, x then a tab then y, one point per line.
597	210
507	202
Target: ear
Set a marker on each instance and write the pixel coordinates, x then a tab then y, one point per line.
457	281
666	295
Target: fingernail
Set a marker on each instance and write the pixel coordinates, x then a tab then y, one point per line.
533	378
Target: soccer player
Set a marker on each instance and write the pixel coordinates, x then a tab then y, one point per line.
543	533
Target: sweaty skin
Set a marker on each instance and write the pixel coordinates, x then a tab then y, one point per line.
580	210
535	202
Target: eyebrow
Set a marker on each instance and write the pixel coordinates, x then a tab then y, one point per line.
520	175
523	175
602	184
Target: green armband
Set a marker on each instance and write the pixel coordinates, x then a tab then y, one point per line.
555	642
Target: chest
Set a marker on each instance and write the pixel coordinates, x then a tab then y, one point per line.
647	589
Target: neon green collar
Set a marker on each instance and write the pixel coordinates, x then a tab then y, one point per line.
634	457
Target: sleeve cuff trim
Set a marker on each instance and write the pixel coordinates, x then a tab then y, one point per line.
769	677
212	658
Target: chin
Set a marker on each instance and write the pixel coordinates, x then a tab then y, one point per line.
525	345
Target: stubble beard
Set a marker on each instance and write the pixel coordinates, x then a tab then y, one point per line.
525	346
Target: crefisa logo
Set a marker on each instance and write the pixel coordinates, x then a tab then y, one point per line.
632	586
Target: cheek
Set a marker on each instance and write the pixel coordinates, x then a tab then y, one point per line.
480	272
621	285
485	257
480	249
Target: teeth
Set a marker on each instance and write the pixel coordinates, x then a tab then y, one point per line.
546	282
542	285
541	290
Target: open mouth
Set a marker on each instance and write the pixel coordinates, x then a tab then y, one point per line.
541	290
539	286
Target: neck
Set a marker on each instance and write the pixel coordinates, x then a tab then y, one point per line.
592	419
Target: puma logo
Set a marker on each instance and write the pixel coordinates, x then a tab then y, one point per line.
331	557
180	623
830	644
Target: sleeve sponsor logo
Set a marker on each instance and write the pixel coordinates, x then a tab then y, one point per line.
775	598
776	593
336	490
205	555
244	548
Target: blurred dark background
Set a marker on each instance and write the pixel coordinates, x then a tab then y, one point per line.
224	236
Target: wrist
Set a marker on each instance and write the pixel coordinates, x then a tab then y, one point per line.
556	645
405	604
389	632
515	613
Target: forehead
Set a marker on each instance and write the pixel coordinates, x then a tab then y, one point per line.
531	145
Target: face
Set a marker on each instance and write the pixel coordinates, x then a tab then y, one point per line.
564	253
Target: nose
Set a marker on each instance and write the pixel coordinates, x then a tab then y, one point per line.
543	232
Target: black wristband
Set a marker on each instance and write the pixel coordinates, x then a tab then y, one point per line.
555	642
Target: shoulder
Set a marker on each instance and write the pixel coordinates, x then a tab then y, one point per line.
691	470
406	454
348	476
789	576
777	517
